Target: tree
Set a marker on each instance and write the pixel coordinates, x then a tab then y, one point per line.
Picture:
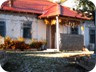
86	7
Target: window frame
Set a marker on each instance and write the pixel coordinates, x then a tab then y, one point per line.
90	34
76	30
27	25
3	24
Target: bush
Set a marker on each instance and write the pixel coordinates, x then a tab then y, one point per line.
20	44
37	44
14	44
2	46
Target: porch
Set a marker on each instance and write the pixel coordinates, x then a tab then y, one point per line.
61	16
64	33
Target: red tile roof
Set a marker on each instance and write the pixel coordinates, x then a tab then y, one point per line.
34	6
43	7
52	10
61	10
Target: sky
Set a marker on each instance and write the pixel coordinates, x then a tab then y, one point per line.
69	3
1	1
94	1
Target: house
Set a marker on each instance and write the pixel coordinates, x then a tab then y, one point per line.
89	28
43	20
89	35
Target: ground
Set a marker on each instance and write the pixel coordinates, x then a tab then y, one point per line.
38	61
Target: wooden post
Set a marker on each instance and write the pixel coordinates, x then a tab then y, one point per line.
57	33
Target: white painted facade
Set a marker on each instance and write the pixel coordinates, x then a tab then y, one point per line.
14	28
88	25
14	24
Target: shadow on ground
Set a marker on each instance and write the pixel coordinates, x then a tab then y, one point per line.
32	62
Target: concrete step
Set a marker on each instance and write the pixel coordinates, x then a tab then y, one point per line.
51	50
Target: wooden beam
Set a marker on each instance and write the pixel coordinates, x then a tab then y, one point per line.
69	18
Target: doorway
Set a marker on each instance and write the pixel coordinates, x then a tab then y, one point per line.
53	31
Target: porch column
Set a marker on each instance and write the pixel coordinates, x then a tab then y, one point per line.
57	33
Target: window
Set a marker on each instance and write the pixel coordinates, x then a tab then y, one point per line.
74	30
27	29
2	28
92	36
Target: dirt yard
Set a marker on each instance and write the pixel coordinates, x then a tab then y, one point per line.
38	61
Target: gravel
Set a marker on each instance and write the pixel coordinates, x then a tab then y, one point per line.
39	62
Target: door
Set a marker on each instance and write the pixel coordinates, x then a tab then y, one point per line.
53	30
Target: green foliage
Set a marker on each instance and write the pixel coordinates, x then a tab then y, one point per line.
85	7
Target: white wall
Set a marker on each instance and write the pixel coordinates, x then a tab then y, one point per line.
64	29
41	30
14	25
87	25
